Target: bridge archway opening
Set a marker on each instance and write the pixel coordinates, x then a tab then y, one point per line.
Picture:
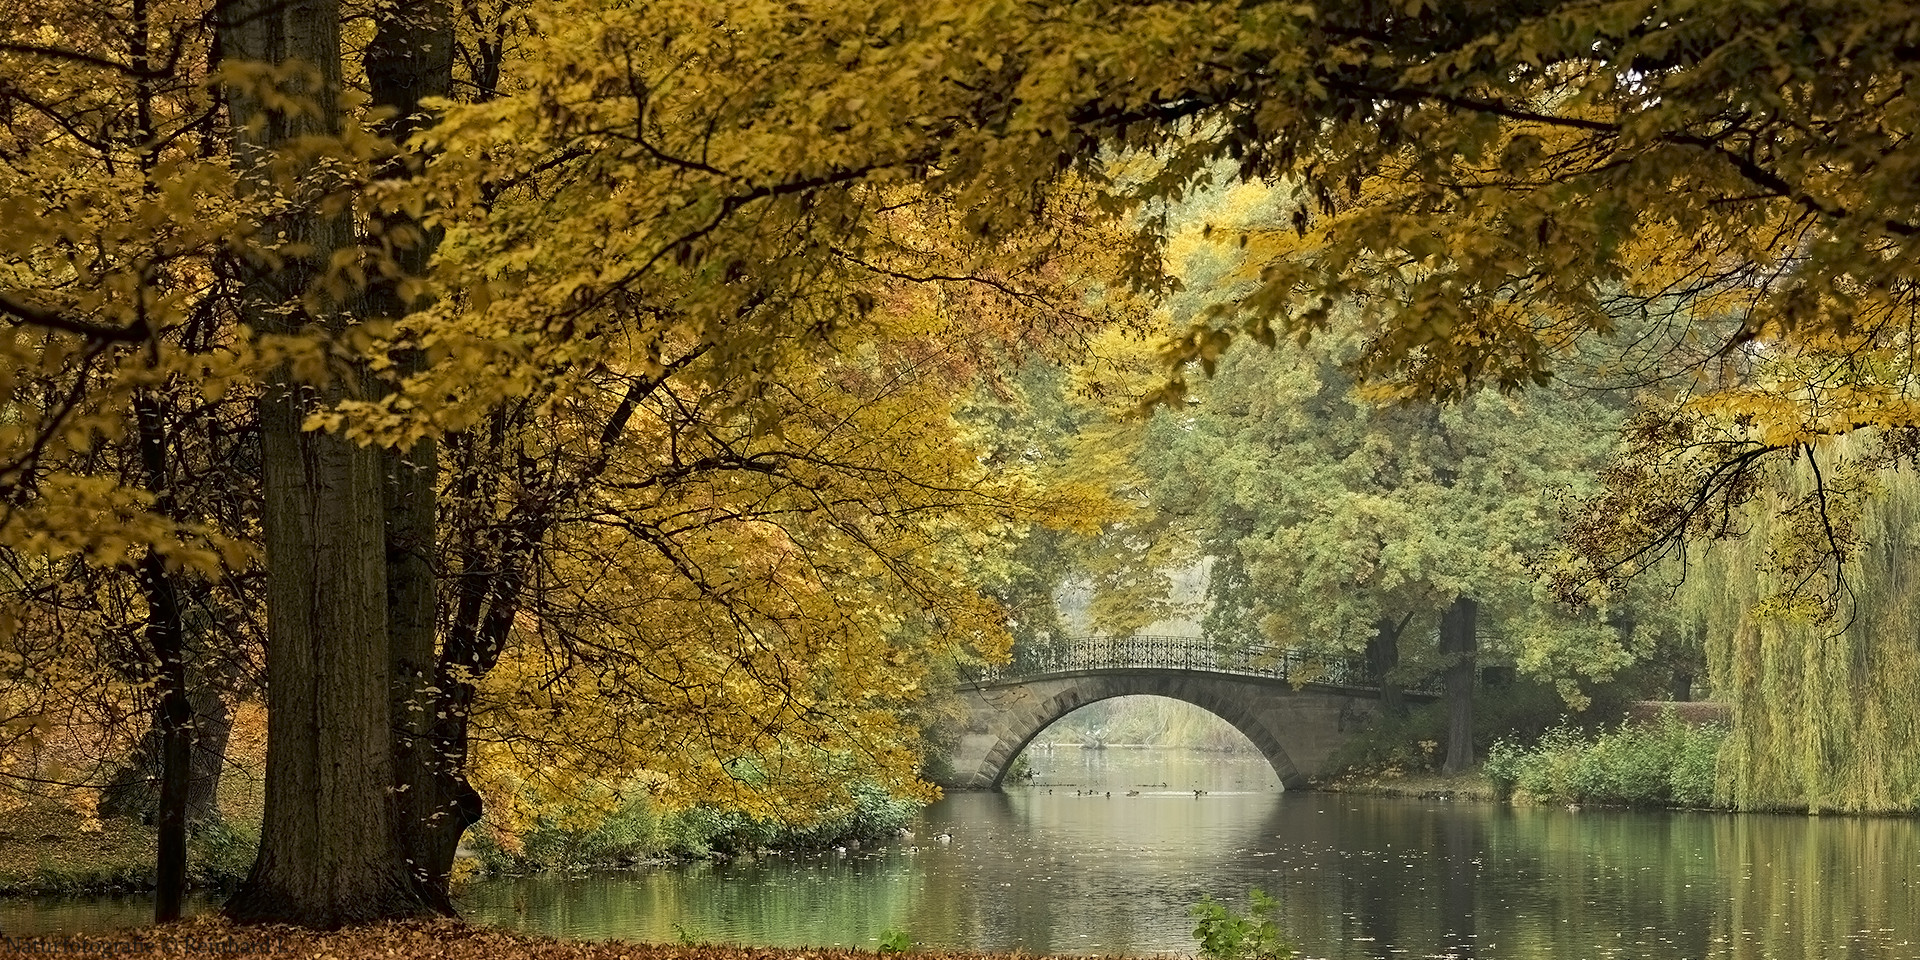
1145	740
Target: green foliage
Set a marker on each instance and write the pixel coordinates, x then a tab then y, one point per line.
114	857
1334	517
1823	712
1020	770
220	852
895	940
1666	763
1254	935
640	829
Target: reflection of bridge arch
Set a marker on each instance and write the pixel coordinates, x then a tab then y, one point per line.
1295	708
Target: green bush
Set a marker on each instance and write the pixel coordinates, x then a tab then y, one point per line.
219	853
1665	763
1255	935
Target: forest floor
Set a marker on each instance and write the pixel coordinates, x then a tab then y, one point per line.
212	937
53	846
1420	786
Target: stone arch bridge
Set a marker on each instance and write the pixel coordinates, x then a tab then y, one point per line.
1297	708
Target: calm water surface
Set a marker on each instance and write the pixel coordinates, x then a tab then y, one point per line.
1062	867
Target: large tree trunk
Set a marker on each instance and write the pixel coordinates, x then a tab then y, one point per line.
328	847
1458	641
328	852
134	792
1681	688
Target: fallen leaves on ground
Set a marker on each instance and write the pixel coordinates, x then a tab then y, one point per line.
213	937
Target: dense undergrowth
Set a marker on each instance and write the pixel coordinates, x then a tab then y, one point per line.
1666	763
48	849
1534	753
639	830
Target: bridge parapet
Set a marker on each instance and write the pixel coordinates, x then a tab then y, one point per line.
1150	652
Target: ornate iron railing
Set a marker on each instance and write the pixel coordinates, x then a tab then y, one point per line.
1175	653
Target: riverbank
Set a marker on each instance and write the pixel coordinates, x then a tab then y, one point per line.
51	850
1472	786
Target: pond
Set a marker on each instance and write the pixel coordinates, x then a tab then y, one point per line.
1108	851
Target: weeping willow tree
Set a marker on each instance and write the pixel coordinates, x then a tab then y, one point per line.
1820	669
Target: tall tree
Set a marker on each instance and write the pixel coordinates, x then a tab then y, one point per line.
1459	644
119	403
329	848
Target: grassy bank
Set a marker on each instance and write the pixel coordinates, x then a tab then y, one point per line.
48	850
637	830
1416	786
52	846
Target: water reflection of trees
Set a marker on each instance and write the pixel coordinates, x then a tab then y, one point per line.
1394	879
1357	877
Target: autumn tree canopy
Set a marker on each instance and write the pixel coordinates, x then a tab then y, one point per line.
610	188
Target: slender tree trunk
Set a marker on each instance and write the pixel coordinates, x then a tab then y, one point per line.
411	59
165	631
1383	656
1458	640
328	854
166	643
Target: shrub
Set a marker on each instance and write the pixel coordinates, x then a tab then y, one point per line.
1666	763
1255	935
220	853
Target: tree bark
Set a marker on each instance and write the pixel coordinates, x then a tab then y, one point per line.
411	59
166	644
1383	656
1458	641
212	724
328	854
1681	689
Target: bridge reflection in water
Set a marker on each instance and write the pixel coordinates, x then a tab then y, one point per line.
1297	707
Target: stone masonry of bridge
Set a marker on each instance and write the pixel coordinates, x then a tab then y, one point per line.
1297	708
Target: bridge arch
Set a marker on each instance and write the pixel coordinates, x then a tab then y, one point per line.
1296	707
1021	720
